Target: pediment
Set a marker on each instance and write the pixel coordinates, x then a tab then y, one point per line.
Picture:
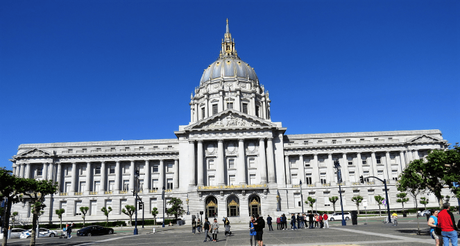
230	119
423	139
35	153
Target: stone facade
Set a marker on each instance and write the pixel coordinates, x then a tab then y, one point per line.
230	160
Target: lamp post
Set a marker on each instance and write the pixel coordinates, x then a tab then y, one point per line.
301	196
164	205
278	201
339	180
187	200
136	176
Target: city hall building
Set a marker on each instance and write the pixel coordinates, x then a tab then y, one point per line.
230	160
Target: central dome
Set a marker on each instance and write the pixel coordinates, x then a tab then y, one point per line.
228	67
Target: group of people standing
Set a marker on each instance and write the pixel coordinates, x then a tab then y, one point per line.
443	227
301	221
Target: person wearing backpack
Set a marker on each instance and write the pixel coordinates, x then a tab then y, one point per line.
207	230
259	226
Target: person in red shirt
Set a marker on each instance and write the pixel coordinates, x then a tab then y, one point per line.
326	222
320	219
446	222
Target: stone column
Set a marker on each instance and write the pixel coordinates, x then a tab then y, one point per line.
359	164
132	169
146	176
387	165
59	176
88	177
315	174
51	171
27	174
373	166
18	170
192	163
176	173
262	161
241	169
345	174
402	161
409	156
103	177
45	171
416	155
117	177
74	178
302	169
161	178
330	170
200	164
220	171
288	169
271	161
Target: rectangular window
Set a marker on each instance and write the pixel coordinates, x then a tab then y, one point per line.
63	205
111	185
203	114
231	163
214	109
378	159
231	179
211	164
350	160
123	203
229	105
82	186
153	203
364	160
308	179
211	180
112	169
67	170
108	203
126	185
40	171
93	208
155	168
245	108
334	141
252	163
97	185
125	168
154	184
169	183
306	162
97	170
77	208
294	179
252	179
257	111
67	187
83	170
169	167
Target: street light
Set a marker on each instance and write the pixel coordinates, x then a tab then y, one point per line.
301	196
136	174
164	205
187	200
339	180
278	201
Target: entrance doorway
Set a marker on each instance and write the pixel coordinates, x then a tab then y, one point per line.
254	205
211	207
233	206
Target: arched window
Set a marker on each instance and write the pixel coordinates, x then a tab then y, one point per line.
254	205
233	206
211	207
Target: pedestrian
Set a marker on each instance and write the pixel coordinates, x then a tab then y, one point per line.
193	225
278	223
207	230
259	226
310	220
446	222
394	217
433	222
252	231
320	220
283	220
326	221
198	226
269	223
227	226
293	227
299	221
214	230
69	230
316	221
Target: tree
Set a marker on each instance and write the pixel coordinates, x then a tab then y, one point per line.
412	183
59	213
130	209
333	199
424	201
106	212
13	217
310	202
357	200
176	208
402	199
379	199
84	211
441	168
155	213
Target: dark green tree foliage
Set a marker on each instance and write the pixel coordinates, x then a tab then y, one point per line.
402	198
106	212
333	199
357	200
441	168
310	202
379	199
59	213
424	201
130	209
84	211
155	213
176	208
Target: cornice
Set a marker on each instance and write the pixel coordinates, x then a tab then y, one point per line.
363	134
98	143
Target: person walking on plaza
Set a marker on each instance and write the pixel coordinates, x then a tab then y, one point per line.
252	232
446	222
269	223
69	230
326	221
299	221
394	217
278	223
193	225
293	227
283	222
320	220
433	222
207	230
259	226
316	221
214	230
310	220
198	226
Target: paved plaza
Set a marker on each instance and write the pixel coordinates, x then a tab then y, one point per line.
374	233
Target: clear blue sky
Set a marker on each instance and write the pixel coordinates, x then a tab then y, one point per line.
111	70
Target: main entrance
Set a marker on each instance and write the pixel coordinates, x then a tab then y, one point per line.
233	206
254	205
211	207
